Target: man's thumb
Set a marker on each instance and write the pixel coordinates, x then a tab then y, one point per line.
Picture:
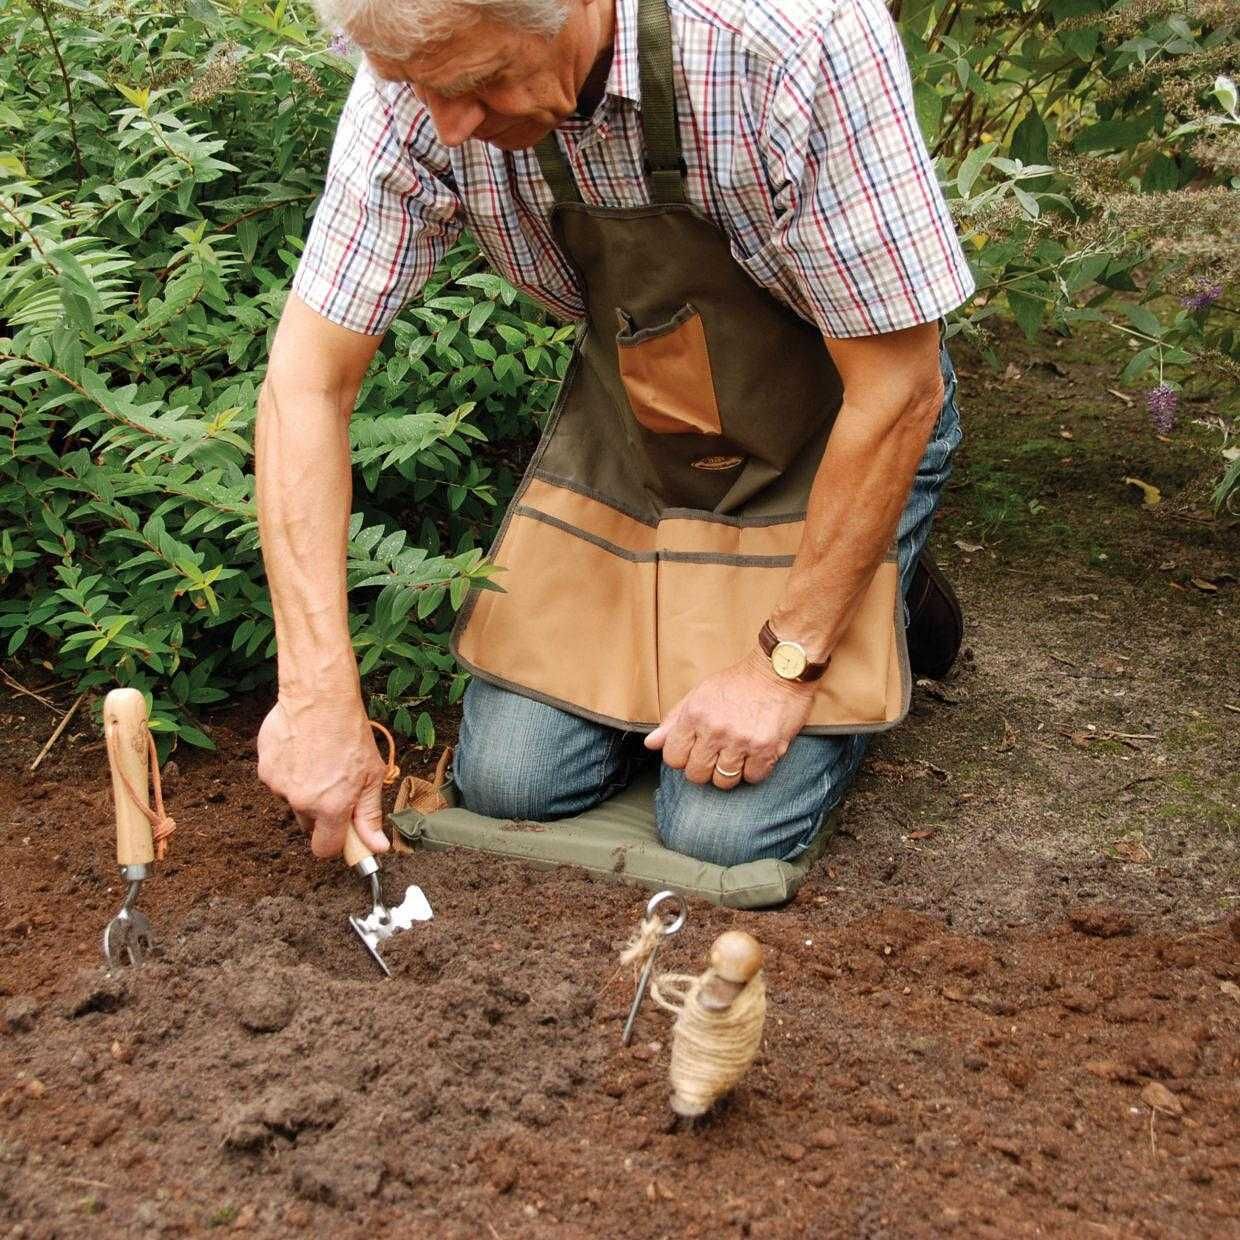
368	818
655	739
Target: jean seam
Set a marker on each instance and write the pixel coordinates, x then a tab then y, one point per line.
604	782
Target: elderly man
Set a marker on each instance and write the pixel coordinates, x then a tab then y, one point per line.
717	546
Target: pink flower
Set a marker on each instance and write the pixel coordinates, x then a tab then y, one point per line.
1205	293
1161	402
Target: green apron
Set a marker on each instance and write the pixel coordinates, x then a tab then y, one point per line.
654	529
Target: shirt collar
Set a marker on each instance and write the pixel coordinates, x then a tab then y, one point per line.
625	77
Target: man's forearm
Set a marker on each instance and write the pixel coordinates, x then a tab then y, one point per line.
854	508
304	498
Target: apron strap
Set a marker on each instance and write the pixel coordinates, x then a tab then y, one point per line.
556	171
665	164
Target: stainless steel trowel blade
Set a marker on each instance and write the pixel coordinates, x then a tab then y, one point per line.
380	924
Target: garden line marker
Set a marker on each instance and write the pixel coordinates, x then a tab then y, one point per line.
382	922
720	1016
642	947
141	833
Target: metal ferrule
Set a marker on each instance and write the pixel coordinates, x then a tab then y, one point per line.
135	873
366	867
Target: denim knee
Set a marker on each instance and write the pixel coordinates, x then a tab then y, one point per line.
501	782
521	758
776	819
710	825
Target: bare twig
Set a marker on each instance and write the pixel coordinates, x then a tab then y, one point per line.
18	687
60	727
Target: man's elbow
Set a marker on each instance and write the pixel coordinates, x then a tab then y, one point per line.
914	408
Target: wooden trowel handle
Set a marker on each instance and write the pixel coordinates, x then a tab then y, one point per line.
124	726
354	849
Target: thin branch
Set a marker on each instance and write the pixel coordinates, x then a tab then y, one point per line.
34	241
60	727
18	687
64	73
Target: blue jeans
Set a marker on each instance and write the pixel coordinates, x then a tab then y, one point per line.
520	758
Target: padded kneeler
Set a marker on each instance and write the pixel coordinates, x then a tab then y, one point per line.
615	841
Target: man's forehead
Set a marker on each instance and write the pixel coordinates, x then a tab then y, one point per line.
457	62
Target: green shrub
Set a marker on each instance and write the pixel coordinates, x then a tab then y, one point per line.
1091	152
152	213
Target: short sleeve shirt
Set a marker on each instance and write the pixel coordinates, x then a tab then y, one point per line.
800	141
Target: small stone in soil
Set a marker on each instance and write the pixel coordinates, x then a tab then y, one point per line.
1160	1098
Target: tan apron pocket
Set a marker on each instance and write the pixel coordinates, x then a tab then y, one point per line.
666	373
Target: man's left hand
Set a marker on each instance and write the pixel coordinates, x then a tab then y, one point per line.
740	720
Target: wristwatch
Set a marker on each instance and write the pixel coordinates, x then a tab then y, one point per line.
788	659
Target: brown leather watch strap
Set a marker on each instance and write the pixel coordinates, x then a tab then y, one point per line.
768	641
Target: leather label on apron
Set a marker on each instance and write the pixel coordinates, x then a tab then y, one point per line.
717	464
666	373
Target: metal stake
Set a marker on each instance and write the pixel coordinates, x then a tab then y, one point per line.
643	981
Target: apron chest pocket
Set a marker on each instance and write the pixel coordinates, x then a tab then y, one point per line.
666	373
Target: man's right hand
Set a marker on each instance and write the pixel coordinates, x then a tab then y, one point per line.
323	760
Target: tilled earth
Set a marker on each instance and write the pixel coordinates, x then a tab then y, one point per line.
1006	1003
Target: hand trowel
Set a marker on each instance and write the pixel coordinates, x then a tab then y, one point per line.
383	920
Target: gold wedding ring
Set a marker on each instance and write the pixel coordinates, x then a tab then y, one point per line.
727	774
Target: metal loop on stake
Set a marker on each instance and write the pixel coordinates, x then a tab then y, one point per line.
669	928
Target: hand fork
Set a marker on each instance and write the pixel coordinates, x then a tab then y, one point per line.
128	936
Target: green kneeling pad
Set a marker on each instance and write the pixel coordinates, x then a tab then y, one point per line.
616	841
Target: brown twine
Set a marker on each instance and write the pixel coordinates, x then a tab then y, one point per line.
641	946
392	774
711	1050
162	824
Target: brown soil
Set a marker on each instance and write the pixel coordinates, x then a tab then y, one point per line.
1031	915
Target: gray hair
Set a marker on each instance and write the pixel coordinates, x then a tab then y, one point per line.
398	28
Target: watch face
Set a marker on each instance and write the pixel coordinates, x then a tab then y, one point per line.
788	660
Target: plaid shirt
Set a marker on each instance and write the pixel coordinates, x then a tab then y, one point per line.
796	120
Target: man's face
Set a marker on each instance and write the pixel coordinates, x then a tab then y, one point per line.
500	85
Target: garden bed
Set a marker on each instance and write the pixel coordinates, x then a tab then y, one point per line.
1029	915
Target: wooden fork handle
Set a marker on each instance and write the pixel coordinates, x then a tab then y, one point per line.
124	726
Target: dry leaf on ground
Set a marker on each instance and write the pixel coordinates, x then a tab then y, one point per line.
1151	496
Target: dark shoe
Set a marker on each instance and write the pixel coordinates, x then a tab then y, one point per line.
935	622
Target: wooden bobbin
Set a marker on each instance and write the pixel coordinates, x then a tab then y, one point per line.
735	958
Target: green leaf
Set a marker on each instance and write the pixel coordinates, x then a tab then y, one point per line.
1031	139
1142	318
1114	135
928	108
972	167
1027	311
